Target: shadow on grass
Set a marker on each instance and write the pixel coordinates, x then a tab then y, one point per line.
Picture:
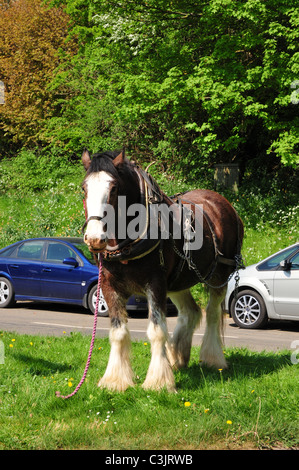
242	363
39	366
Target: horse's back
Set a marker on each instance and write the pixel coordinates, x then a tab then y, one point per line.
225	222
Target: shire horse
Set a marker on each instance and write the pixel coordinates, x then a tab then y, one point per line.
158	269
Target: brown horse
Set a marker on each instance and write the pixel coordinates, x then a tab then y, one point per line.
157	266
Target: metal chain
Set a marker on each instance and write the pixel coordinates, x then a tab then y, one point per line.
192	265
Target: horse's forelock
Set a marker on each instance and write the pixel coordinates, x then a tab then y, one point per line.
103	162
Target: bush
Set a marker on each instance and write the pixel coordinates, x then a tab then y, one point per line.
30	171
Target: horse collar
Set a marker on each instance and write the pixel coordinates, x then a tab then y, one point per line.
129	249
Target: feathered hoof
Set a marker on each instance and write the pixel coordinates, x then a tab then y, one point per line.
115	385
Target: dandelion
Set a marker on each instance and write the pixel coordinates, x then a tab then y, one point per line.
70	384
31	344
207	410
229	422
11	345
145	344
13	339
187	403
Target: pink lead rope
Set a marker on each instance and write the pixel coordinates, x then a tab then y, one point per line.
92	338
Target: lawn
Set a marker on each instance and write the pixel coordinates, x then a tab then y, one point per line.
253	404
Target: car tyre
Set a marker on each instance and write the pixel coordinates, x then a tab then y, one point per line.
7	295
248	310
92	299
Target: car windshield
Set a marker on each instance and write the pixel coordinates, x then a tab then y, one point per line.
82	247
275	260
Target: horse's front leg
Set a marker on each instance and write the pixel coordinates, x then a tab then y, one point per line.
118	375
159	374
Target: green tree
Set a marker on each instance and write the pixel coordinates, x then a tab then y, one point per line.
191	83
31	35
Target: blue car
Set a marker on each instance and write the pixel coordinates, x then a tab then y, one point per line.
55	270
51	270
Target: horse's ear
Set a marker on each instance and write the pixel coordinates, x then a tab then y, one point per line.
120	158
86	160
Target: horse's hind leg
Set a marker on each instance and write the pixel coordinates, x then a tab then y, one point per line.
118	375
211	352
159	373
178	350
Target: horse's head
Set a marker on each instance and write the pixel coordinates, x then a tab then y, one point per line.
108	175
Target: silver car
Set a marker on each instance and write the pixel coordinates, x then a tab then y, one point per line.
267	290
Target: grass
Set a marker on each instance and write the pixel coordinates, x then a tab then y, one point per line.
253	404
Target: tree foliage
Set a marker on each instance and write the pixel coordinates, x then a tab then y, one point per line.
190	82
31	35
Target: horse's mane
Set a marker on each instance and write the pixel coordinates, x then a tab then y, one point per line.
104	162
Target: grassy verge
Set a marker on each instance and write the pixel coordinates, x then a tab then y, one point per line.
253	404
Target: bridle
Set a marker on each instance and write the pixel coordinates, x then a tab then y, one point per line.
128	249
92	217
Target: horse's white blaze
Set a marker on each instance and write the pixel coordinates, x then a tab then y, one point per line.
97	185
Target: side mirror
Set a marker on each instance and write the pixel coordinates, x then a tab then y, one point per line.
285	265
71	262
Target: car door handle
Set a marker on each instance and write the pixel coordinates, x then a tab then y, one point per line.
15	266
46	270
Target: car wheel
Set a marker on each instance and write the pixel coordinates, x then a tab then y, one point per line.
92	300
7	295
248	310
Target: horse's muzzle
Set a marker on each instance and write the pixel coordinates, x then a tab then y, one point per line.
95	245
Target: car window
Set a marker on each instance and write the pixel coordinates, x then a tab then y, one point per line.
8	252
31	250
295	262
57	252
275	260
83	248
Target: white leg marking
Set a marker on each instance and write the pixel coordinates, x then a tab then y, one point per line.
211	352
159	373
178	350
118	375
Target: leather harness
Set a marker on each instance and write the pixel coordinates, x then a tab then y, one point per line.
128	250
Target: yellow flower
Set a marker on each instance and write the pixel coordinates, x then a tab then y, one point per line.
70	384
13	339
145	344
229	421
187	403
11	345
31	344
207	410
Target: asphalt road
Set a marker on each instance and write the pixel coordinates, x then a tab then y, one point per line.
56	320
